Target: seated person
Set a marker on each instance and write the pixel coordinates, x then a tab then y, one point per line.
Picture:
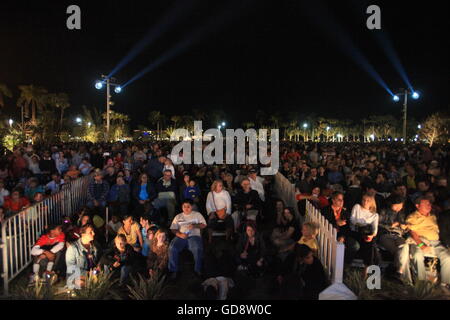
82	256
168	194
46	253
120	259
114	225
218	207
251	251
132	232
193	193
424	240
364	226
248	204
313	279
287	231
187	227
158	256
310	231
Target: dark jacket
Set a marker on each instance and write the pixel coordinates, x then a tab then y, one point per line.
154	169
47	166
172	188
328	213
129	257
151	191
241	199
98	191
353	196
255	252
119	193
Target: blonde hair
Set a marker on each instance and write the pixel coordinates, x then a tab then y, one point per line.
215	183
373	204
312	227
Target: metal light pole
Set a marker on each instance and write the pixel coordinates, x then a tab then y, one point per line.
108	82
415	95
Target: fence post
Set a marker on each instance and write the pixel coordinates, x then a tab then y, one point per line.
5	260
338	272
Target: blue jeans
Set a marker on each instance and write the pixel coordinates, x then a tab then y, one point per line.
193	244
124	273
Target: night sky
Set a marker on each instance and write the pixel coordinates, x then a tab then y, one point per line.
270	55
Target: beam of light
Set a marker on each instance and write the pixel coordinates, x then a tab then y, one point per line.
385	43
324	19
168	20
212	25
383	39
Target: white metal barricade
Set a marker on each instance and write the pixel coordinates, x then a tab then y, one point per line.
331	252
21	231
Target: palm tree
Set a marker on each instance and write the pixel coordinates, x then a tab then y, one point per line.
31	96
4	91
156	117
176	120
60	101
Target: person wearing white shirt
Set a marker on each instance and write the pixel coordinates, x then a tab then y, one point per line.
186	227
218	202
257	184
364	224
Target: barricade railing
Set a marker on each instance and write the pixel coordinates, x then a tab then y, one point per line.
331	252
20	232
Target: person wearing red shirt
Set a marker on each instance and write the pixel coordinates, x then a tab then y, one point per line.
46	253
15	202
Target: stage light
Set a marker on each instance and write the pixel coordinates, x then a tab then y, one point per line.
98	85
305	125
117	89
78	120
396	98
223	124
415	95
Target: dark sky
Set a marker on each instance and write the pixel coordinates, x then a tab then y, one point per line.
273	55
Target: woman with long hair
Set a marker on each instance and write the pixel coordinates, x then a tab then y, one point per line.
364	226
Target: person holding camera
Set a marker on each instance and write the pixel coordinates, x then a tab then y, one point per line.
364	224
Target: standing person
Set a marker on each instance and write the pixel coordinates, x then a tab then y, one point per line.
82	255
187	227
364	224
16	202
97	191
62	164
55	185
3	192
218	207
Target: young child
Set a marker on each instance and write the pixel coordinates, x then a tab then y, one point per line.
309	233
192	192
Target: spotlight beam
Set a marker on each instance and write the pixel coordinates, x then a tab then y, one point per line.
167	21
338	34
213	24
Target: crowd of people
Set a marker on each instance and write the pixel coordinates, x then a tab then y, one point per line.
385	200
